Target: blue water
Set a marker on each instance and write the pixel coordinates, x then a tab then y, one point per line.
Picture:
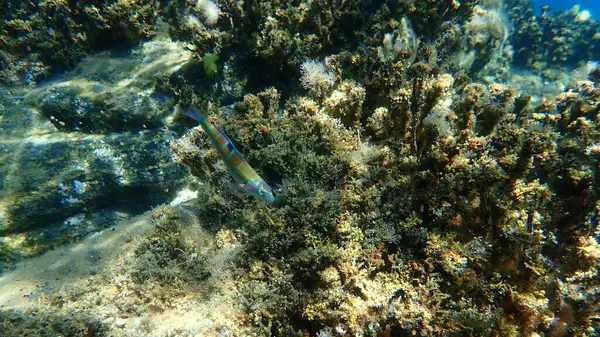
593	6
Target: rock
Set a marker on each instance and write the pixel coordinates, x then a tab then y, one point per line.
108	93
60	176
86	150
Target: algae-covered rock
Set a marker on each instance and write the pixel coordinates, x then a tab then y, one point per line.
57	188
108	93
161	269
270	40
39	38
57	176
552	37
461	188
422	185
59	183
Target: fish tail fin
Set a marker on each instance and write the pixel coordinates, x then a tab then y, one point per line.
195	113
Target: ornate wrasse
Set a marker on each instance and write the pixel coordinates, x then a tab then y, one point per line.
239	169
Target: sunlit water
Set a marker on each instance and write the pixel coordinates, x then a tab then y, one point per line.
593	6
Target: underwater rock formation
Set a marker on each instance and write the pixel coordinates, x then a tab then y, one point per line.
410	201
553	37
39	38
91	146
414	193
452	218
108	93
268	41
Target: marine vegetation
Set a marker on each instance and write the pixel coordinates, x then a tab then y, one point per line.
410	199
444	216
575	36
38	38
210	65
418	190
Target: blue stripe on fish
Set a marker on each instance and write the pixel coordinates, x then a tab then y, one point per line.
231	152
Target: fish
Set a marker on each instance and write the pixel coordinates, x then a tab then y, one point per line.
237	166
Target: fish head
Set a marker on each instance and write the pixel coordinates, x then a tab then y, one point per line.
260	190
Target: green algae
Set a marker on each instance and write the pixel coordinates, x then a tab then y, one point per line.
54	322
209	61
